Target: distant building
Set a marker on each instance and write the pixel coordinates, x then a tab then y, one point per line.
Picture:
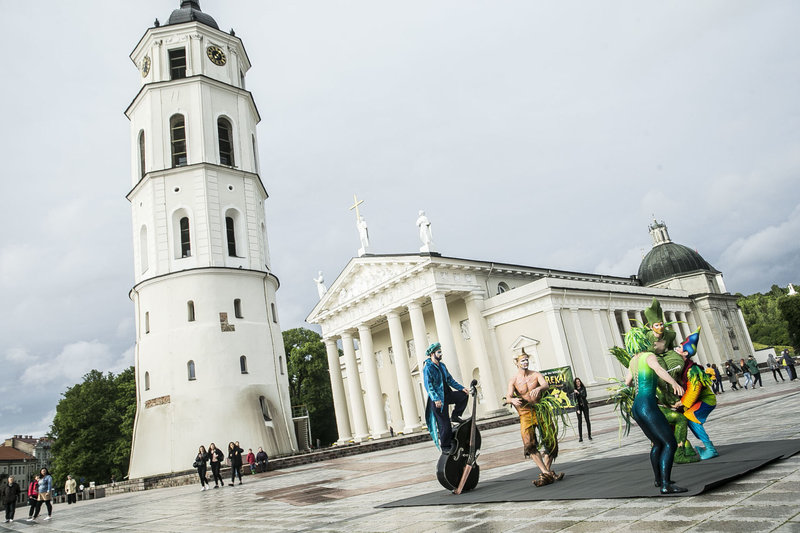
386	309
16	461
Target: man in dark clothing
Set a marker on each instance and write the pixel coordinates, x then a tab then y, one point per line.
752	364
789	362
9	493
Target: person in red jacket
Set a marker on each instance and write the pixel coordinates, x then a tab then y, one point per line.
251	460
33	495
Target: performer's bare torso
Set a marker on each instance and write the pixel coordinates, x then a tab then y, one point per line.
525	382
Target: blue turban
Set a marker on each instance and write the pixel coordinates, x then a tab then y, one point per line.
690	344
432	348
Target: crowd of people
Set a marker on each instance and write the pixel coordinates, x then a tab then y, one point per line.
257	461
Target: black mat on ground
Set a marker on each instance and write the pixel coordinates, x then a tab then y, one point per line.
615	477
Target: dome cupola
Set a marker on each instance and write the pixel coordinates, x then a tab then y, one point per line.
190	12
668	259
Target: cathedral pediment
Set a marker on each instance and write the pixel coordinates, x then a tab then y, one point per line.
364	276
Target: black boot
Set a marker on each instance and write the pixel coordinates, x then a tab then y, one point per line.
671	488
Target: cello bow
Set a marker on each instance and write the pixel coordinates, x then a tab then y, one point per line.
472	457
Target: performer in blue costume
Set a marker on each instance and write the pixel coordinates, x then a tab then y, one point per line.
644	372
443	391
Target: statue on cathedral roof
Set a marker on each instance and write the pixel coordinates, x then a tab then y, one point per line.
425	233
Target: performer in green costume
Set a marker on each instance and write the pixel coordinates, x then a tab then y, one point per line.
662	338
644	372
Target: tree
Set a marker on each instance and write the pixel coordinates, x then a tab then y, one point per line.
309	381
93	427
790	310
764	320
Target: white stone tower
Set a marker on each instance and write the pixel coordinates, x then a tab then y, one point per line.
210	364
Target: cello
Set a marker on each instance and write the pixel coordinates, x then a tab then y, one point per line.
458	470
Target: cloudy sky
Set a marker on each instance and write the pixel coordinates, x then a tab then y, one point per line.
546	134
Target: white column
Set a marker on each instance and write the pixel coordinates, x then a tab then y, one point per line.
626	320
640	319
710	350
408	402
337	388
444	331
612	320
418	333
672	317
746	332
601	333
354	388
491	398
377	415
684	325
559	336
582	350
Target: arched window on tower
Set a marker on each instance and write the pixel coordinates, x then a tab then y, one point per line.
147	321
186	243
177	132
147	381
230	230
190	310
190	370
141	154
225	132
143	249
237	308
264	408
243	364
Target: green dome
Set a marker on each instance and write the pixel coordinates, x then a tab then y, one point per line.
670	259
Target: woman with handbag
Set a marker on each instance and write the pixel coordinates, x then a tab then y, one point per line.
216	457
33	495
201	466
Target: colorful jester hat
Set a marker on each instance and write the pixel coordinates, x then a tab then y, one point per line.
653	313
690	344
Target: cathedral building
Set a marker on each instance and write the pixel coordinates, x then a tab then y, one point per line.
210	363
385	310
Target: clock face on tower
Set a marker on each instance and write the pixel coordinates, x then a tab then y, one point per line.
145	66
216	55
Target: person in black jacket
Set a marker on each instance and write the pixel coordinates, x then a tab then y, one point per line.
235	457
581	408
9	492
216	457
201	466
261	460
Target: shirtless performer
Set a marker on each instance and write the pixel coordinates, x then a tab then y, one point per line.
524	392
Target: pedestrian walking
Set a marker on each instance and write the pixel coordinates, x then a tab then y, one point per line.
70	487
33	496
216	457
776	369
200	463
9	493
752	364
748	378
718	378
788	362
44	495
732	372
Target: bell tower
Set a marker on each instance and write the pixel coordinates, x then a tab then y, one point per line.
210	363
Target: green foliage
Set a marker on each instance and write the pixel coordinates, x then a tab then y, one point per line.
764	320
93	427
309	381
790	312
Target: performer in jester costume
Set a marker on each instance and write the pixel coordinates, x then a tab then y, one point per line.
699	399
644	372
